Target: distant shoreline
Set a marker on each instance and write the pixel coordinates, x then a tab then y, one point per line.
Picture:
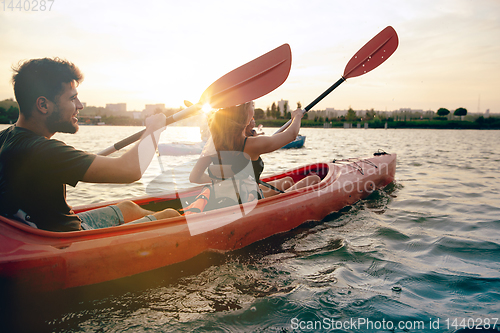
490	123
277	123
481	124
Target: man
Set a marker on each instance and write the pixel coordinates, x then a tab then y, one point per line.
34	169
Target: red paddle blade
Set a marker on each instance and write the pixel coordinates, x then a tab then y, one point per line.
250	81
374	53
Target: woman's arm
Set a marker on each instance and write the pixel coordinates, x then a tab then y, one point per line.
265	144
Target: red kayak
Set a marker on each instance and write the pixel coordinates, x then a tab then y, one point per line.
39	260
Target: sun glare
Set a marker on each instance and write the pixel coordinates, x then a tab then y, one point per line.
206	108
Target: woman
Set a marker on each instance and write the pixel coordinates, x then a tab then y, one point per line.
228	133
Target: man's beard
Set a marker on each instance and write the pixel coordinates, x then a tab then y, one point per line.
55	124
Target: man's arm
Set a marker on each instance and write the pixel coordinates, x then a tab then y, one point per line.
130	166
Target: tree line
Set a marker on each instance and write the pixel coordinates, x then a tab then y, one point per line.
8	116
275	112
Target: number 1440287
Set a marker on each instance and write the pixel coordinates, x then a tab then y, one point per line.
27	5
472	323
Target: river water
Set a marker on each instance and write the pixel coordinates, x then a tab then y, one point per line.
421	255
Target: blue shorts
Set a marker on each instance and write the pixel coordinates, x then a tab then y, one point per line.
106	217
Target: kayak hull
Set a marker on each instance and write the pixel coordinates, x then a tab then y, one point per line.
39	260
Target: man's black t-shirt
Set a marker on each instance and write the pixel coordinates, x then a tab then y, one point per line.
34	172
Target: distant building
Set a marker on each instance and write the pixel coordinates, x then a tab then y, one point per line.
360	114
152	109
281	107
136	114
331	113
429	114
487	113
117	108
404	114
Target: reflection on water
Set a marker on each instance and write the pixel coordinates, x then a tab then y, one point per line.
424	248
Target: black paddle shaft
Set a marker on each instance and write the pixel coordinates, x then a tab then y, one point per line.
323	95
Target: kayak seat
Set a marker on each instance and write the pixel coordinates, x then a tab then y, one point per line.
227	189
230	187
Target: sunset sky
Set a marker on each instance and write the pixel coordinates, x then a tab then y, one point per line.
148	52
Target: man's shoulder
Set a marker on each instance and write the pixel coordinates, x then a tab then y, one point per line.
17	140
14	137
7	131
17	133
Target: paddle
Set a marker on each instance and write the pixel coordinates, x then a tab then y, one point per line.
369	57
243	84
